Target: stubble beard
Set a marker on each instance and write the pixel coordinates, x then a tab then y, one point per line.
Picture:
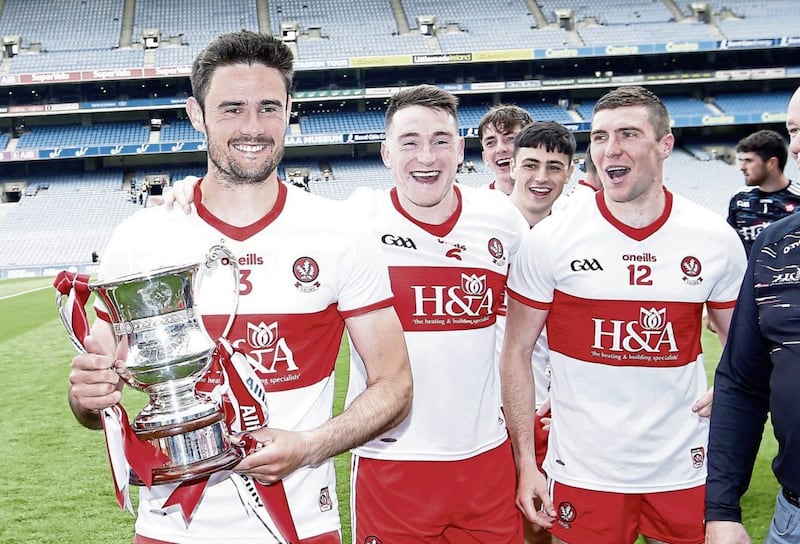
229	171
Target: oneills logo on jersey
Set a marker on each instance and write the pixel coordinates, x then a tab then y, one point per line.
268	352
691	268
566	514
471	301
306	270
497	252
650	338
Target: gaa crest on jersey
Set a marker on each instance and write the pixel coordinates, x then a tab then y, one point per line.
306	270
497	251
566	514
691	268
698	457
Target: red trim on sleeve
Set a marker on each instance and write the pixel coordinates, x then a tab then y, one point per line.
528	301
725	305
385	303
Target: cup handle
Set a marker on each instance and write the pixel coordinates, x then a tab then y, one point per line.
216	253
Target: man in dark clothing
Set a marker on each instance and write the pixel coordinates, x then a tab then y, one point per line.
769	195
759	373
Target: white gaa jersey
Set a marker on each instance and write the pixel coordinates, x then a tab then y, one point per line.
624	330
301	273
448	281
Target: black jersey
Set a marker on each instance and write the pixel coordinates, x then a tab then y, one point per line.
751	210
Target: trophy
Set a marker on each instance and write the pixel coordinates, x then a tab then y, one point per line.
169	350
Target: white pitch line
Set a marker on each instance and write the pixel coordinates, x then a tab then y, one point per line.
26	292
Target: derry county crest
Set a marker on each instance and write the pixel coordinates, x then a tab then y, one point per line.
497	252
691	268
306	270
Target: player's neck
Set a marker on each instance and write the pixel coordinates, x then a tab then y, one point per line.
240	205
774	183
642	211
506	186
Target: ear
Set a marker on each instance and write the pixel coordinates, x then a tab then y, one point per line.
772	163
666	145
195	113
288	110
461	144
385	155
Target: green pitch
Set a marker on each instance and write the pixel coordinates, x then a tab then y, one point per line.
55	485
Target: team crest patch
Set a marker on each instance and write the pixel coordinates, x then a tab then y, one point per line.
691	268
497	252
373	540
566	514
698	457
306	270
325	503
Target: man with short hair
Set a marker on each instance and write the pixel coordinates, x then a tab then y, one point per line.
769	195
308	275
758	375
621	281
541	166
496	132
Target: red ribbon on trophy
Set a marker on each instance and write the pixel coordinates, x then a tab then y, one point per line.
232	383
231	372
142	457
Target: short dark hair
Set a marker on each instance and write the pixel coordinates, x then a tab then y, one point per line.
428	96
765	144
241	47
638	96
505	118
548	134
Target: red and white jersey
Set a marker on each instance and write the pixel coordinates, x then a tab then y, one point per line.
624	329
448	281
301	273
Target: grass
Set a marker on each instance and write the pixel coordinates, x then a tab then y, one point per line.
55	484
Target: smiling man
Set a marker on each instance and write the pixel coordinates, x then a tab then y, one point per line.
621	280
445	474
309	276
496	132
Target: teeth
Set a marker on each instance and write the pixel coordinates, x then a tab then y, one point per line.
540	190
249	148
503	162
617	172
425	175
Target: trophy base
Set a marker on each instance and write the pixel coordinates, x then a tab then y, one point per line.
196	449
188	473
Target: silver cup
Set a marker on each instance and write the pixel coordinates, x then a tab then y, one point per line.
169	350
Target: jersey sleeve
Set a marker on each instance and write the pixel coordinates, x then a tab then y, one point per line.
726	290
530	278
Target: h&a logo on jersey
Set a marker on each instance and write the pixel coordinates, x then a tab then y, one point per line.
472	299
566	514
651	333
691	268
266	349
585	265
398	241
497	252
306	270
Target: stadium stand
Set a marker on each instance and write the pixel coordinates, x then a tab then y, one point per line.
61	218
